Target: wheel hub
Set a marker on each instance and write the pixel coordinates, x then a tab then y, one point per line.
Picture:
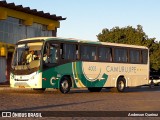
121	85
65	85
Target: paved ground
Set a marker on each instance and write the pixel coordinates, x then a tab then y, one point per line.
134	99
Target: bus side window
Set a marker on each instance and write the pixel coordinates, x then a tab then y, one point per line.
105	54
68	51
53	55
83	53
134	56
46	53
88	53
50	53
120	55
144	56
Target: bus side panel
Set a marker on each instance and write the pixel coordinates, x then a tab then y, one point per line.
89	74
96	74
134	74
83	74
52	76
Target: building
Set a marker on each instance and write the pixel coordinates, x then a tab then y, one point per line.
18	22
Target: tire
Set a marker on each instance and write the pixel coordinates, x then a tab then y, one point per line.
94	89
65	85
121	85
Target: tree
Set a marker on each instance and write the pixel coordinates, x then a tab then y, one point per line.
133	36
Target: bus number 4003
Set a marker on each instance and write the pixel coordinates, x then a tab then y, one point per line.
92	68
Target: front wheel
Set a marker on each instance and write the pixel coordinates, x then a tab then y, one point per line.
65	85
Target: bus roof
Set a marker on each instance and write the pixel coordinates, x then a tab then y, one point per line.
81	41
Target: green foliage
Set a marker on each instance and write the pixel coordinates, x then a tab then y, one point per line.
133	36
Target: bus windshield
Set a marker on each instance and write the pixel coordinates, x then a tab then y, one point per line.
27	56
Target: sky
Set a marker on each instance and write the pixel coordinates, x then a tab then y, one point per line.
87	18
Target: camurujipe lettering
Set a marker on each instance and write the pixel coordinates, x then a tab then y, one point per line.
121	69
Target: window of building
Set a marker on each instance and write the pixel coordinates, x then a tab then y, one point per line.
120	55
88	53
37	30
105	54
134	56
13	29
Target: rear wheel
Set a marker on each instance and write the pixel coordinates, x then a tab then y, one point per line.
94	89
121	85
65	85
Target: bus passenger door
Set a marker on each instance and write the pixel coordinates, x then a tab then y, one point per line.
50	61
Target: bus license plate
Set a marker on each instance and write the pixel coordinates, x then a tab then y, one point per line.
21	87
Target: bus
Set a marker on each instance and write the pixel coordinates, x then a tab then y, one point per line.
65	63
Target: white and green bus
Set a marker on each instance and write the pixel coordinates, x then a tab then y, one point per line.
63	64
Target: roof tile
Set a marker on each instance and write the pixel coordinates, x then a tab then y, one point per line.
3	3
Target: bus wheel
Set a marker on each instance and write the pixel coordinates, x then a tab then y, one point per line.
94	89
65	85
121	85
